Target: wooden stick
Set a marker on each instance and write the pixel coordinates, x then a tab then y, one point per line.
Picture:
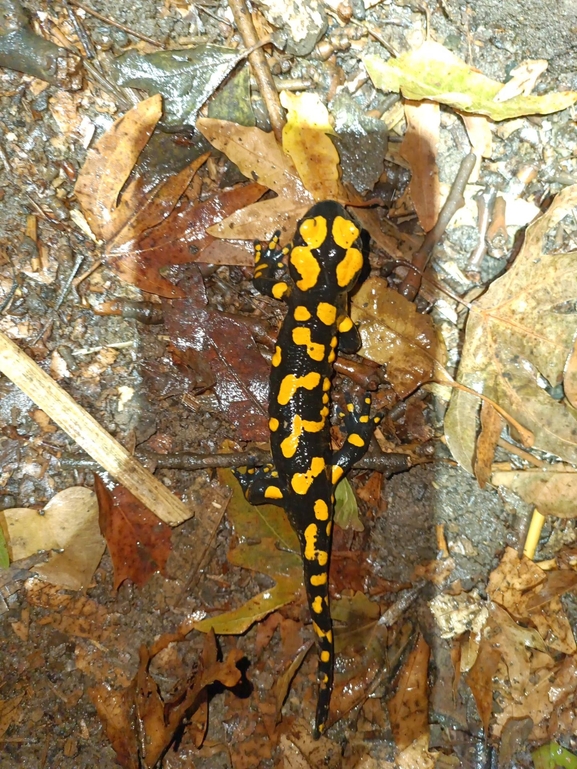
535	528
86	431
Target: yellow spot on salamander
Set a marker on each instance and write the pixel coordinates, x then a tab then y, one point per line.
356	440
364	419
277	357
329	528
344	232
326	313
334	341
280	289
324	680
291	383
321	633
319	579
349	267
322	557
302	335
345	325
350	407
290	443
337	473
317	605
331	356
321	510
301	482
272	492
307	267
311	532
326	384
326	398
273	424
314	231
301	313
325	656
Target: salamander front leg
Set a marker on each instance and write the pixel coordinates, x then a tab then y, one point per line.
269	269
360	427
260	485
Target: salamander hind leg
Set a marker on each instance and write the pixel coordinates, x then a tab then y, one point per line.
260	485
360	427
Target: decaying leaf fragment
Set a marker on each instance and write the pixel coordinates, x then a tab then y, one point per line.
140	724
409	707
518	339
395	335
433	72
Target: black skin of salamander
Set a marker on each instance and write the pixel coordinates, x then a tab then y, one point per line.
310	404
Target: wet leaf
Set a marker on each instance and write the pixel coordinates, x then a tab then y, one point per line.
361	141
409	706
432	72
273	550
419	148
138	541
185	78
517	341
240	371
552	491
68	523
114	709
306	138
395	335
347	508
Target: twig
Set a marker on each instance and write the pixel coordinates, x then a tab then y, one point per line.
85	41
260	66
388	464
411	284
535	528
91	436
116	24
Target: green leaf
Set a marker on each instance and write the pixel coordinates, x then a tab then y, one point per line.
433	72
346	507
553	755
4	557
268	544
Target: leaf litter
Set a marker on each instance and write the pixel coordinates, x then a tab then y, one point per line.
145	234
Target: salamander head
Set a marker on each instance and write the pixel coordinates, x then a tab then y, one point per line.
327	250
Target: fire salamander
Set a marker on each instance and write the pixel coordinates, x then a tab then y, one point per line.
324	263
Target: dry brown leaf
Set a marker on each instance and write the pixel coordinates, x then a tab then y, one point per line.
109	163
419	148
570	377
522	79
68	523
480	679
417	755
517	343
409	706
491	426
478	129
552	491
394	334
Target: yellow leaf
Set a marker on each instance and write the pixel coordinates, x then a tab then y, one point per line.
305	138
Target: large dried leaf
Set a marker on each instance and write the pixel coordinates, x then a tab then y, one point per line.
409	706
394	334
273	550
552	491
108	165
432	72
138	541
518	338
68	523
